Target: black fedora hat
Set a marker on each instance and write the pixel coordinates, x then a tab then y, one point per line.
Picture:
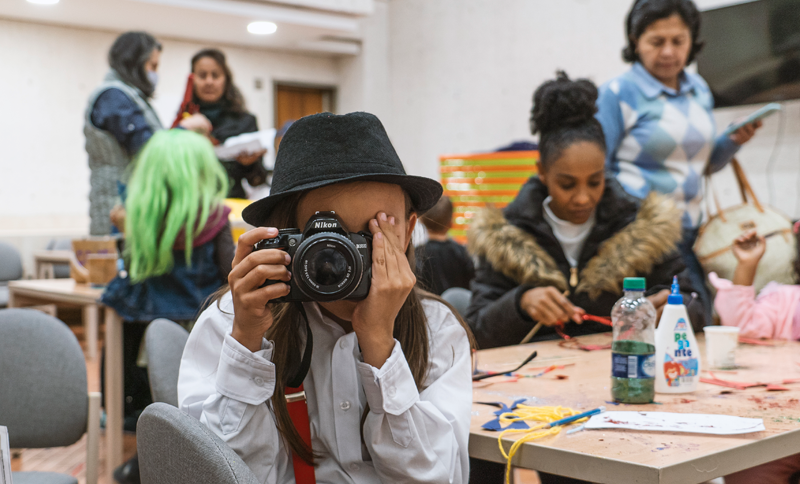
324	149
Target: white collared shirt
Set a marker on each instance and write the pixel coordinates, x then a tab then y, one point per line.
409	435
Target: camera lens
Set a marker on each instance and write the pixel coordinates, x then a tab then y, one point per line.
327	267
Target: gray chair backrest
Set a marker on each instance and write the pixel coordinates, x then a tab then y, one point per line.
10	263
60	271
43	387
459	298
164	341
175	448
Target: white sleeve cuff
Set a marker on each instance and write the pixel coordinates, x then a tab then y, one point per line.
390	389
243	375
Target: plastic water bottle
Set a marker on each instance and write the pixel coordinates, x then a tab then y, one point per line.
633	349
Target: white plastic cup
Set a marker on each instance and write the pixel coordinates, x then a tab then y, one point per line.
721	343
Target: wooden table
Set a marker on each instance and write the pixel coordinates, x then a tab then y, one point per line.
615	456
66	291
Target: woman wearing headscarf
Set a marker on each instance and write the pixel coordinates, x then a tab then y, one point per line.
119	120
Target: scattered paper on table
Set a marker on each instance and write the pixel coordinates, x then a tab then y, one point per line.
676	422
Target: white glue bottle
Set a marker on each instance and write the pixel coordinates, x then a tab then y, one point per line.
677	355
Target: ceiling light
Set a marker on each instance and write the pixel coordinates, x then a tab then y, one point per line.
44	2
258	28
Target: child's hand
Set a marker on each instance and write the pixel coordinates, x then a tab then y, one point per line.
749	248
392	281
252	316
547	305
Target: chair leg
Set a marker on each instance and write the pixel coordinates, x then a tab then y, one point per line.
93	439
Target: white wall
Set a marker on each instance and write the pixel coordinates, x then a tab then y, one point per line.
463	72
48	74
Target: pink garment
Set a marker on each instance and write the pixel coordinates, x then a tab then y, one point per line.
770	315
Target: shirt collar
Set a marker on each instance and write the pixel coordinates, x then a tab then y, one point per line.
652	87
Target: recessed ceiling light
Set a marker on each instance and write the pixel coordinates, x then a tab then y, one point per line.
258	28
44	2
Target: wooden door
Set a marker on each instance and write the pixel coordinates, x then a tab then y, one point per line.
294	102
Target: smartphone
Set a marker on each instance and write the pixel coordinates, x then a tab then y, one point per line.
762	113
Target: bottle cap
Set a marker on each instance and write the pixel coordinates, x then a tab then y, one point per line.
634	284
676	297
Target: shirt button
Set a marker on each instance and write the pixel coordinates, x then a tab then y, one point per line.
131	127
354	467
345	405
391	391
342	344
258	381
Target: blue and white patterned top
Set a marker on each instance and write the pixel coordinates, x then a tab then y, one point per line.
660	139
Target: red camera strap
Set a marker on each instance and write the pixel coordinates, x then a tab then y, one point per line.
298	412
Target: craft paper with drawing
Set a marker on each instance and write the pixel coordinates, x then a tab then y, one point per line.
676	422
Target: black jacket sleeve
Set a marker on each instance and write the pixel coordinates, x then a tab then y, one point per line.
660	278
494	313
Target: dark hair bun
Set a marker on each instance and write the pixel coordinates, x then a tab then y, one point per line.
562	103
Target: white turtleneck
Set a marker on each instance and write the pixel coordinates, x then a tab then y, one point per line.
571	236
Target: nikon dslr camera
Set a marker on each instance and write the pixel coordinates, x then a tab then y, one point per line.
328	263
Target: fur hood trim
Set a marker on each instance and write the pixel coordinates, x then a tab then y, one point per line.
632	251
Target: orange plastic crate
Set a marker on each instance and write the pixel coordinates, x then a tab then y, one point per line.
474	181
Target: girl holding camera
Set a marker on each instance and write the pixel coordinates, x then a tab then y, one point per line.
387	386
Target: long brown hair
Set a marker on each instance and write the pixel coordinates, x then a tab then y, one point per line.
231	95
410	329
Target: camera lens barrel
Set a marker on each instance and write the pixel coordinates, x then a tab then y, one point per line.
327	267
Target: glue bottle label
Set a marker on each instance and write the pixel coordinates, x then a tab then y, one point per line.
680	360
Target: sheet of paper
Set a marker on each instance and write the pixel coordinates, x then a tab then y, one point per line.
676	422
246	143
5	457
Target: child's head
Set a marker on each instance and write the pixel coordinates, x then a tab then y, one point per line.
439	219
177	182
571	146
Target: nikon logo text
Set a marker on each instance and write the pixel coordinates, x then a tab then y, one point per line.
324	225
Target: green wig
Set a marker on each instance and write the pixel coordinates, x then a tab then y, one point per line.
177	182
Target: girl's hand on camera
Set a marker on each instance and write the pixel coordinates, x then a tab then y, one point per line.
550	307
392	281
252	316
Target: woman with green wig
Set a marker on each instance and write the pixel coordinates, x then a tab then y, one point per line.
177	248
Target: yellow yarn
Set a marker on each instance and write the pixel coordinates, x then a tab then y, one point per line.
538	414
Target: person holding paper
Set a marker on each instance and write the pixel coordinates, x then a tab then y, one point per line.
222	103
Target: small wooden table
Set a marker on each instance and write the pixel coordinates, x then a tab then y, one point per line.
67	291
614	456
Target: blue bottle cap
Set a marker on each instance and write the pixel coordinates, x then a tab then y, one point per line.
676	297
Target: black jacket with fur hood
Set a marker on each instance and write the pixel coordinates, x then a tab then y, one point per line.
517	251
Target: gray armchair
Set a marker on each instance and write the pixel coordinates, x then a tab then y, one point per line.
164	342
175	448
44	401
10	269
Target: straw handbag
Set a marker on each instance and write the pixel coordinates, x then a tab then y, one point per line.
713	246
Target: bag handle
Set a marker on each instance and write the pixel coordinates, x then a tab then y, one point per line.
744	185
745	190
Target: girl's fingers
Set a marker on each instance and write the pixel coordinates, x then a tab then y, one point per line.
261	274
261	257
248	239
262	296
390	249
378	251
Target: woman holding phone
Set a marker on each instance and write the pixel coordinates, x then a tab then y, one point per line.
658	122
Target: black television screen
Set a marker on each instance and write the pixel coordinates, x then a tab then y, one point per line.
752	52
